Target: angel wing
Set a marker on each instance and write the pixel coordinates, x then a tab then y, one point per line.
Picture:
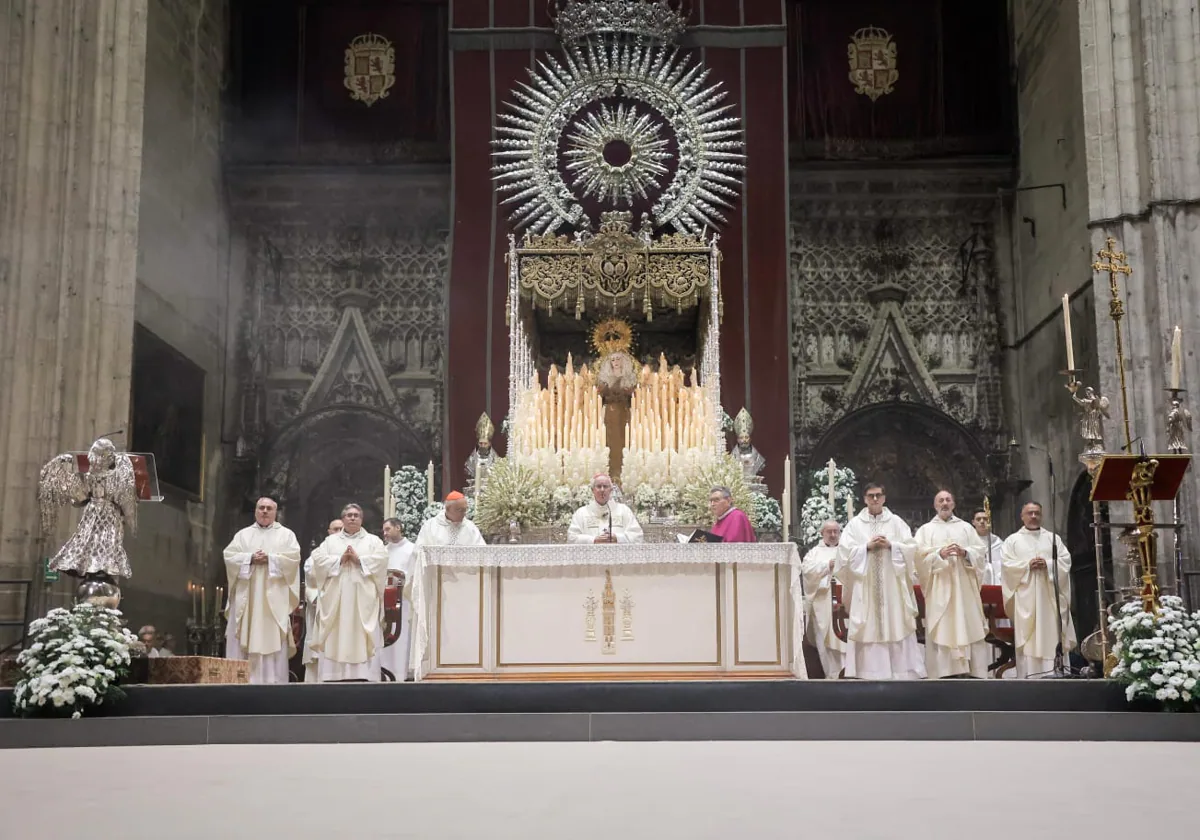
1102	404
123	491
59	484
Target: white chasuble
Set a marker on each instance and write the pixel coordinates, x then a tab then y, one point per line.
1029	599
955	626
818	601
394	657
348	632
591	520
261	600
882	627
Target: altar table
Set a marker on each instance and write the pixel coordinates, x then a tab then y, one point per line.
608	611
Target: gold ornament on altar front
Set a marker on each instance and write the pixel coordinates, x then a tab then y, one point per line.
370	68
872	54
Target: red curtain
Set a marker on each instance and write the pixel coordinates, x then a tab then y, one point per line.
415	106
952	93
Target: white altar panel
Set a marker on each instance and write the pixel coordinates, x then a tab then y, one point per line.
757	607
671	618
460	608
685	610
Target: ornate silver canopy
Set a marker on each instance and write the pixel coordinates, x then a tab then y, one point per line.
621	119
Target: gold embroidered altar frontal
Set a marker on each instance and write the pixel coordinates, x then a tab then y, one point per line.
602	611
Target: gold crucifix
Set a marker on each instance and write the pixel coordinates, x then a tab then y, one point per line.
1113	262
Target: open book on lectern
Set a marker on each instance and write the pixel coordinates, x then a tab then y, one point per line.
699	536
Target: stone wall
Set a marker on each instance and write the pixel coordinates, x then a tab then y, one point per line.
183	289
1050	253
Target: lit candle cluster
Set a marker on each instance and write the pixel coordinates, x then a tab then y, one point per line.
669	413
567	414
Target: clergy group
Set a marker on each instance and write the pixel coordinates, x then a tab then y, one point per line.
878	561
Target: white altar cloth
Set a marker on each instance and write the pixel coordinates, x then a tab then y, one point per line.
659	561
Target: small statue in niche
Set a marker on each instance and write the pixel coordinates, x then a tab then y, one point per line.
750	458
481	460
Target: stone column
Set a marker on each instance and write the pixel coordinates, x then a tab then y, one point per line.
71	98
1141	98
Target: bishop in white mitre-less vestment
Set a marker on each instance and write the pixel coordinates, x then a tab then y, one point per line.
349	584
1029	594
817	573
592	522
401	551
262	567
950	565
875	568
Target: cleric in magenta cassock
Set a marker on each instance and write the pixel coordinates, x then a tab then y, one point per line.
731	525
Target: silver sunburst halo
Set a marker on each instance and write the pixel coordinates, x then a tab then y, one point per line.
615	183
705	176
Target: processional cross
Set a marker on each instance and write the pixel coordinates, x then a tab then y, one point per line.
1113	262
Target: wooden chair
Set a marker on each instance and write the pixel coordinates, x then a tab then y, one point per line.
393	614
1000	630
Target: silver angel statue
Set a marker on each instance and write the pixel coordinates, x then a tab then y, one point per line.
1179	427
1093	410
107	492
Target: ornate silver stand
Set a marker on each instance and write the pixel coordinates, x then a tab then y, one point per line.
1094	647
205	638
1179	425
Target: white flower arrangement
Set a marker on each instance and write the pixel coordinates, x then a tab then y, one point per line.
816	511
765	513
1158	656
410	490
74	661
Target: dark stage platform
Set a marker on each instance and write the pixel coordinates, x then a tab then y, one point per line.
513	711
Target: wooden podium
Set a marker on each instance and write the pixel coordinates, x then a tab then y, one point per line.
1142	479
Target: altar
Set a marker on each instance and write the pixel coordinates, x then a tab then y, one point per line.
649	611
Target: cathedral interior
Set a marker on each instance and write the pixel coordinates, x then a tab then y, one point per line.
279	286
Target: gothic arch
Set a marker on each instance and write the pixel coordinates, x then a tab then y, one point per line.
911	449
321	461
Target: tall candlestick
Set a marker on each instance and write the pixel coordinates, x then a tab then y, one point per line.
1176	358
217	606
429	482
203	601
192	592
1067	331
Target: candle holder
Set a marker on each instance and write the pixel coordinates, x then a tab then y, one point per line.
205	637
1179	429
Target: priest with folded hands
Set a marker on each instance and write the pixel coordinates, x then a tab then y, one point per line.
262	566
349	575
951	563
603	520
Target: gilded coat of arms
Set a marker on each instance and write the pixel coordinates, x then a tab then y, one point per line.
872	55
370	68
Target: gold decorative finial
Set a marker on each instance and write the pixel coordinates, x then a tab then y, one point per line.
1113	262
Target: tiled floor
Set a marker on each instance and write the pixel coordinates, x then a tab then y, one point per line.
615	791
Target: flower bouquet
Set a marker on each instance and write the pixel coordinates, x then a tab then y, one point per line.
1158	656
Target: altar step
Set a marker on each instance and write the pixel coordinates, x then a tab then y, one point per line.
1043	710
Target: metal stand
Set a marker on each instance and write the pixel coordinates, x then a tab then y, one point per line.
1179	424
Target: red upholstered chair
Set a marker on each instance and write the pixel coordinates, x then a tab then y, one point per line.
1000	631
393	605
840	612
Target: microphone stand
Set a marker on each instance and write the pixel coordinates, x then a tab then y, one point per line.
1059	653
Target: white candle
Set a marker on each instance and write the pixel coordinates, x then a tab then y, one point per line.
1067	331
829	468
429	482
1176	358
388	501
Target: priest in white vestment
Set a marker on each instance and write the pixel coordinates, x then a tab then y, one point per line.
993	547
449	527
602	520
349	573
1029	599
817	572
875	567
262	568
394	657
950	565
310	657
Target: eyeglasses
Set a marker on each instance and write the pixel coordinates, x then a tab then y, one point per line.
874	495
